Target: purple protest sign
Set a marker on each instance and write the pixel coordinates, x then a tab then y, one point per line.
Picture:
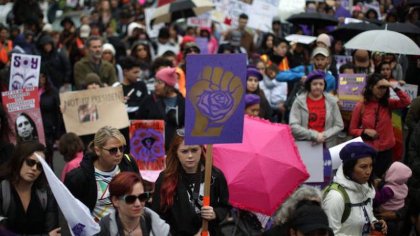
214	101
350	88
203	44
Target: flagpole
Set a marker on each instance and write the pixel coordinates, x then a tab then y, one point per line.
207	179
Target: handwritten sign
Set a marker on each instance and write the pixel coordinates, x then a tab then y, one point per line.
86	111
350	89
24	71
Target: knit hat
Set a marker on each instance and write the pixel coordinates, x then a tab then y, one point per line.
167	75
92	78
322	51
251	99
316	74
84	31
308	218
356	150
254	72
132	26
190	45
325	39
108	47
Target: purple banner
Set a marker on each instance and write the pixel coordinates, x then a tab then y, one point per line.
350	89
214	101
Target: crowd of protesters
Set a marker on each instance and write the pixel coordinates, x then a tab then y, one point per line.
373	192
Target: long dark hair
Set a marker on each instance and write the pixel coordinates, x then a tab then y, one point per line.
5	130
34	131
367	92
348	168
11	170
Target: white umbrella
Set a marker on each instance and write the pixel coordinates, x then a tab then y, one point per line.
383	41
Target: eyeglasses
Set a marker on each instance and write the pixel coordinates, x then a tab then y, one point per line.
114	150
180	132
31	163
130	199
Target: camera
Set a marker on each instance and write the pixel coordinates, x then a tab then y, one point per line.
377	226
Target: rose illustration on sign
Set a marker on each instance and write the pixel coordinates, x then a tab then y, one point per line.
215	98
215	104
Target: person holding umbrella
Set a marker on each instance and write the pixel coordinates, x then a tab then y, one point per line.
178	195
371	118
349	204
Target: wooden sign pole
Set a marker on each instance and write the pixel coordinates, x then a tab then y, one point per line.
207	182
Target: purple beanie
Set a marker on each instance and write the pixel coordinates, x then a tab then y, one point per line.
251	99
253	72
316	74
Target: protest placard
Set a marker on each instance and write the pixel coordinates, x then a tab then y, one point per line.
22	105
410	89
147	146
214	101
24	71
201	21
312	157
350	88
84	112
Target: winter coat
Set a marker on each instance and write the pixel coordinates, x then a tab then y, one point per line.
52	119
333	204
299	118
106	72
413	153
181	217
153	108
275	92
372	115
39	218
56	63
298	72
150	223
81	181
396	178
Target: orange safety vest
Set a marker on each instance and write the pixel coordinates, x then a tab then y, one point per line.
284	64
4	51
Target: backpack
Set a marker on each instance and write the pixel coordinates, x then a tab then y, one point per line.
6	192
240	223
347	204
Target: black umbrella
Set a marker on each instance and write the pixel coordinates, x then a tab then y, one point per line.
180	9
403	28
312	18
348	31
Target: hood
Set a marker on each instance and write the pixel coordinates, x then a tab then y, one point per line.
398	173
351	185
45	40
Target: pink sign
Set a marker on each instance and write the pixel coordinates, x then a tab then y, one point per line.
24	113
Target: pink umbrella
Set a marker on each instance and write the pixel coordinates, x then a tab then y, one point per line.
264	169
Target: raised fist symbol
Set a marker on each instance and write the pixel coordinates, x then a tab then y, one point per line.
215	98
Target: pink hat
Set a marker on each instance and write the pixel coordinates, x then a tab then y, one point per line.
167	75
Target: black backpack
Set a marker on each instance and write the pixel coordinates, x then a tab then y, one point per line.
241	223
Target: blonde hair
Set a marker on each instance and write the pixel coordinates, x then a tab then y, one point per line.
104	134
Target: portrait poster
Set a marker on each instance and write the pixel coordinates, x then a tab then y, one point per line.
147	146
86	111
22	105
350	89
214	102
24	71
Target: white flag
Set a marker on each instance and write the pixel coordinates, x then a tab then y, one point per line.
78	217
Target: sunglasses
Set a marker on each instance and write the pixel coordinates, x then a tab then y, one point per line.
130	199
180	132
114	151
31	163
